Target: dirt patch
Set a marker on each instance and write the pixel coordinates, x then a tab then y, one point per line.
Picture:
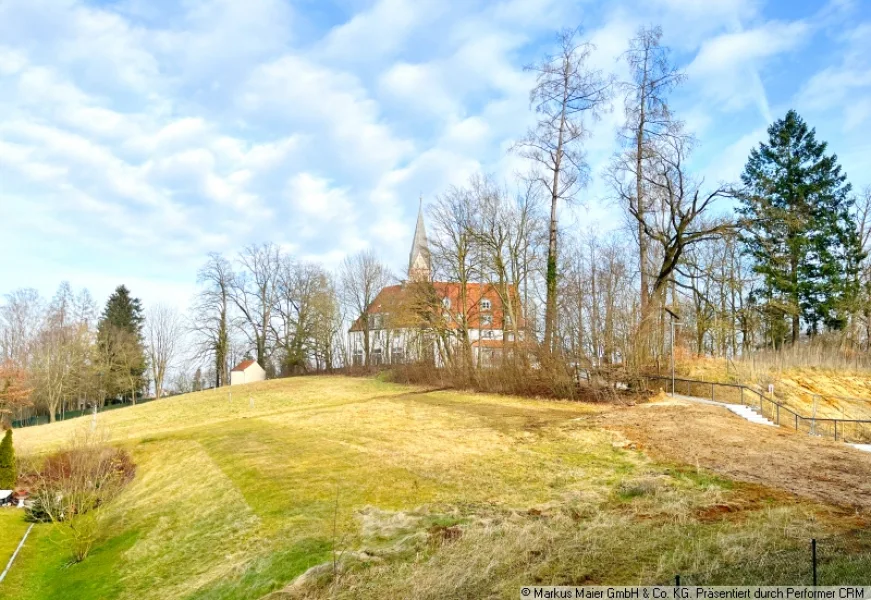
712	438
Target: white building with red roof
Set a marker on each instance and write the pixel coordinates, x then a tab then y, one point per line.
247	371
424	319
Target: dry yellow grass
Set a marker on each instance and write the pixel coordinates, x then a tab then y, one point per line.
820	391
235	501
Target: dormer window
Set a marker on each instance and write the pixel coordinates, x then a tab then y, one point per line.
486	320
485	304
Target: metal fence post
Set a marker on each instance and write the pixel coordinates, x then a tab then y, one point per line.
796	422
814	559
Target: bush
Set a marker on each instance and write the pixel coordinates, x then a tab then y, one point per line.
7	462
73	485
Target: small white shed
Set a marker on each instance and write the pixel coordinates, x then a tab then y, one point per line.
247	371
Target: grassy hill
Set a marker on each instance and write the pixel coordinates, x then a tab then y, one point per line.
439	493
824	391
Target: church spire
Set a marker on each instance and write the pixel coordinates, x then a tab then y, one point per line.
418	259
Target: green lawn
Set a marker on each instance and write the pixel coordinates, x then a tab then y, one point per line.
12	528
234	499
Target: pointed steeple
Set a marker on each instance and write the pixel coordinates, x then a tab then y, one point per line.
418	260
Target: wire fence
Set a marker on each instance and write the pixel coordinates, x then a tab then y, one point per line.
845	430
34	419
837	560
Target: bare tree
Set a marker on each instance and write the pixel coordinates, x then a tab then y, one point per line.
363	276
163	337
567	92
254	291
683	218
58	364
648	120
20	320
211	315
301	290
456	255
510	232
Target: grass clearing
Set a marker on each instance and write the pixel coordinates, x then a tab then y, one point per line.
471	494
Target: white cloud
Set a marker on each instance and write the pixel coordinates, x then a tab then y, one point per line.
731	51
729	65
301	94
844	87
177	129
379	32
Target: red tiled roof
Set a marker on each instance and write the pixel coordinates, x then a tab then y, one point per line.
395	298
244	365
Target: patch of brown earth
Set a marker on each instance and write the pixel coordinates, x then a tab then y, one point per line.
715	439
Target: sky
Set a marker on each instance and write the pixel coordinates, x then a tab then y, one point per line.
137	136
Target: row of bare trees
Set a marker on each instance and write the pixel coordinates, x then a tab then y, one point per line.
265	304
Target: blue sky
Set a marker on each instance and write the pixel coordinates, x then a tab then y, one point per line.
136	136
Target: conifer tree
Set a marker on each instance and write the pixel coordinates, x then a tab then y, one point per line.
7	462
119	334
799	231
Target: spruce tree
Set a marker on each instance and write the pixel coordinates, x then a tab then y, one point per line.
798	229
7	462
119	334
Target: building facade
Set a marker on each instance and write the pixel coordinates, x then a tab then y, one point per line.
247	371
425	320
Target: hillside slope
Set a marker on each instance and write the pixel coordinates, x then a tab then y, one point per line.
235	497
824	392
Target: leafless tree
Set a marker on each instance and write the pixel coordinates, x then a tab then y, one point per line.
568	92
211	315
254	291
648	120
303	293
363	276
683	217
510	232
20	319
163	337
59	359
457	257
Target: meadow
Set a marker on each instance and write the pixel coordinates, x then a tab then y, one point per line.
373	489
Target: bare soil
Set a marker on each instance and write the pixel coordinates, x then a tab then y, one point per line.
715	439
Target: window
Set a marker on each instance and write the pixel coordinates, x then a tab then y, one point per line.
446	302
485	304
397	355
487	320
488	334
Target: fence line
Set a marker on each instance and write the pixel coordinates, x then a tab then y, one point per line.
840	559
846	430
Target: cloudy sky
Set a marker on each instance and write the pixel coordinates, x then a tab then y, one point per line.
138	135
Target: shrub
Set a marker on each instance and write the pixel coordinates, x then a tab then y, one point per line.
74	484
7	462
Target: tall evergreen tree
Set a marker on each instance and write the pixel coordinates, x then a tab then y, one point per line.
119	333
8	473
799	231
